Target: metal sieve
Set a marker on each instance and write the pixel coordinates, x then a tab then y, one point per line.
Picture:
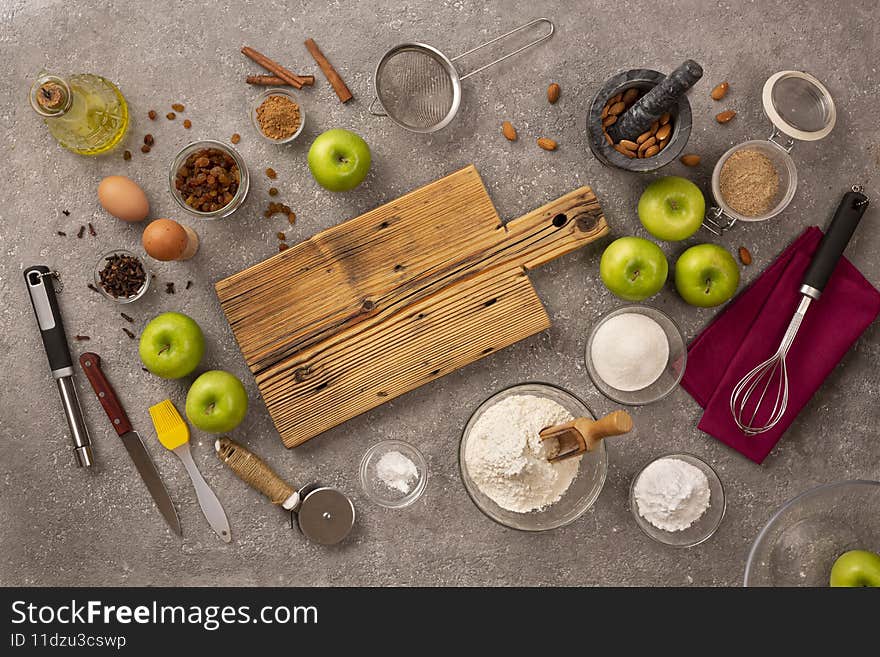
419	88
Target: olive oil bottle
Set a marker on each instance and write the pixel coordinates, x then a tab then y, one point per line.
86	113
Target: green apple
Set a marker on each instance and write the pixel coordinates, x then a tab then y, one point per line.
339	160
706	275
171	345
633	268
672	208
856	568
216	402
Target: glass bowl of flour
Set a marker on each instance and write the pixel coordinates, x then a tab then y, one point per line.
636	355
505	467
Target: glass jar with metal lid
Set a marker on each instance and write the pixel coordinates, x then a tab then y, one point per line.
800	109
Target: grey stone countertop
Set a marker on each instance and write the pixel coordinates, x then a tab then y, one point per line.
60	525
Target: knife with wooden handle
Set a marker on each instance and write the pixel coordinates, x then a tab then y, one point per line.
91	365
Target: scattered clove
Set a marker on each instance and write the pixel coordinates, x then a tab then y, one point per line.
169	288
189	284
61	233
128	333
92	230
127	318
81	338
82	231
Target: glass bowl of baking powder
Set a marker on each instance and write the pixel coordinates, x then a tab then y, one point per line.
587	476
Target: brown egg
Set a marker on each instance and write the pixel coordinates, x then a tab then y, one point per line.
123	198
165	239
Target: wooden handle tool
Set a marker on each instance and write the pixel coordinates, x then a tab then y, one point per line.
252	470
583	434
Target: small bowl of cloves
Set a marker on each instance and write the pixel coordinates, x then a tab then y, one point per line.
121	276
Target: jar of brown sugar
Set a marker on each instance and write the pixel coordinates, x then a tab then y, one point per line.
757	179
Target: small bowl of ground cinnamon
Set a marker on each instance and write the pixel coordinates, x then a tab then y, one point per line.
278	116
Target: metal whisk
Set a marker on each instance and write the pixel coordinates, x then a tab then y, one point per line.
750	413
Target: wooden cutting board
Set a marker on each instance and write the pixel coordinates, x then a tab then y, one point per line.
406	293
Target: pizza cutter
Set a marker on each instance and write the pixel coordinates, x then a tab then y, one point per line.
325	515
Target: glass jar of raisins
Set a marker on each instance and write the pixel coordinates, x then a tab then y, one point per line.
209	179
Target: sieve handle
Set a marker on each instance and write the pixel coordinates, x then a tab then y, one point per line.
375	112
543	37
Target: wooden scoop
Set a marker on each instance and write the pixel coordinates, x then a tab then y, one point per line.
583	434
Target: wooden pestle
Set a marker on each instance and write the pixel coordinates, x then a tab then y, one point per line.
654	104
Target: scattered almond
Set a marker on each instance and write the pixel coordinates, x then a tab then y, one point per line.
617	108
604	112
623	151
745	256
665	118
725	116
652	151
643	137
690	160
630	95
608	138
720	91
508	131
615	99
629	145
663	132
547	144
553	93
609	120
648	143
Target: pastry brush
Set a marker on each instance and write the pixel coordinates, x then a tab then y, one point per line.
173	433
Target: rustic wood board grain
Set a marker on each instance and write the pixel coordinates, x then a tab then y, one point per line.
383	303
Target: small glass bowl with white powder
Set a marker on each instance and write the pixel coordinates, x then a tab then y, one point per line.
393	474
636	355
678	500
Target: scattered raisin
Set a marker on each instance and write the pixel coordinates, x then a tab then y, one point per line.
92	230
187	124
177	107
281	236
282	247
235	138
744	256
128	333
148	139
291	217
270	173
145	149
276	208
273	191
126	156
152	115
171	116
82	231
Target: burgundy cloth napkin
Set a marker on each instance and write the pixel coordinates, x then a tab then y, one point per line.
749	330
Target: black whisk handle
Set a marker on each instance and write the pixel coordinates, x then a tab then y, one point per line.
840	230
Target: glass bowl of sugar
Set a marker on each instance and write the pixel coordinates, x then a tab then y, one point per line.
393	474
636	355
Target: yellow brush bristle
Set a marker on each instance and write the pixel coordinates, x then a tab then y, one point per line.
171	430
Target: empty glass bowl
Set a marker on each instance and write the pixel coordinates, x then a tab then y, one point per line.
378	490
579	497
102	262
243	178
668	379
800	543
704	527
286	94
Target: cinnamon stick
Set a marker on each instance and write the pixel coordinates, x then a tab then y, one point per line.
329	72
274	80
273	67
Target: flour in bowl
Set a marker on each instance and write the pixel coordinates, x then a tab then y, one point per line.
507	460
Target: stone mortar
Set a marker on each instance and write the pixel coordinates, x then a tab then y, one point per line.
644	79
